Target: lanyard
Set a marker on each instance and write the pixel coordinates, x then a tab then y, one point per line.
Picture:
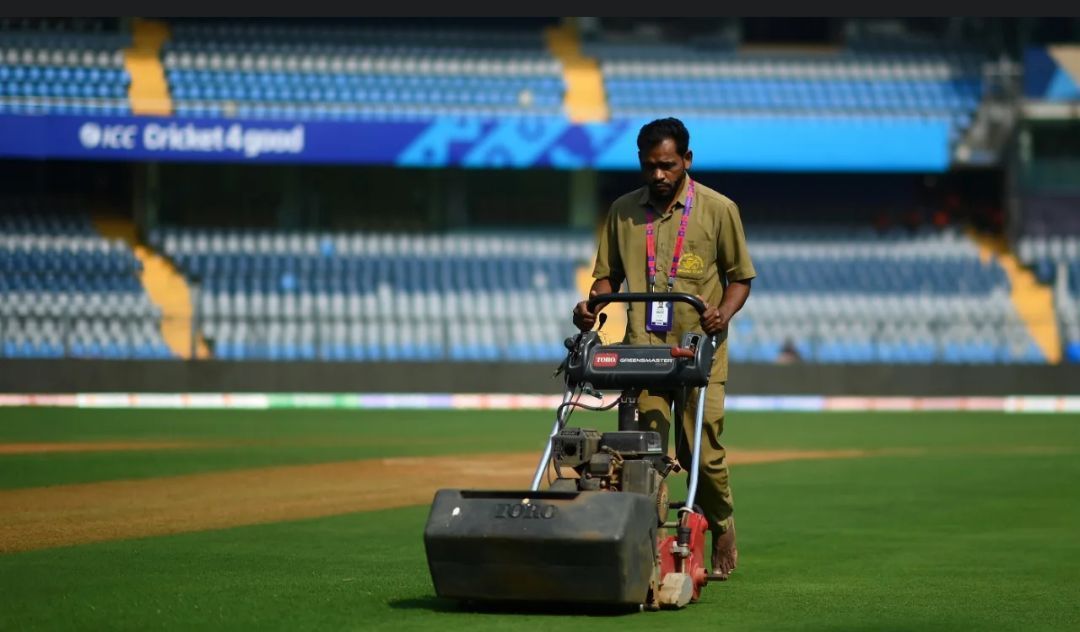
650	239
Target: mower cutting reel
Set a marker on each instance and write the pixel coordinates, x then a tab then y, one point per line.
599	533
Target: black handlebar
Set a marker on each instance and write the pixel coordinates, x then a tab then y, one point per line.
635	297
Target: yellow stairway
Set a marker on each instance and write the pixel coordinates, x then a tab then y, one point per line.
149	91
585	101
1034	301
164	284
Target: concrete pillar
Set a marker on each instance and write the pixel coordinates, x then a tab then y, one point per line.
435	198
457	198
1013	189
583	198
146	195
290	208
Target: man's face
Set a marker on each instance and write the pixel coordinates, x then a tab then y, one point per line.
663	169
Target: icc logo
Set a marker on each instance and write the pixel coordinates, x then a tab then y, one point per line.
92	136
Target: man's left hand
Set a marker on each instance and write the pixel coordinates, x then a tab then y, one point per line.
713	321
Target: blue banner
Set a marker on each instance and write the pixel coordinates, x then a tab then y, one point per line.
207	140
1046	77
743	143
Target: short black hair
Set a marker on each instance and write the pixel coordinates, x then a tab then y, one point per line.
655	132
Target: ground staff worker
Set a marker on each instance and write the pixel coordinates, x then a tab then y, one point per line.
676	224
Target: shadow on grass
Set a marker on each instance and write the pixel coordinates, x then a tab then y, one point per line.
438	604
432	604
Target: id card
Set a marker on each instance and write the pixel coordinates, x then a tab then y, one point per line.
659	316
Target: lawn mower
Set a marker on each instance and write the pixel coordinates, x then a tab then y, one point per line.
599	533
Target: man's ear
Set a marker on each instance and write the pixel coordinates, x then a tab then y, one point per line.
688	159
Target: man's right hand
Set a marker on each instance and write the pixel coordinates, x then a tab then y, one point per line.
583	318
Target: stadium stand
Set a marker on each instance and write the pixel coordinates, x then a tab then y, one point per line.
316	72
48	70
832	293
347	73
837	295
715	80
279	295
67	291
859	296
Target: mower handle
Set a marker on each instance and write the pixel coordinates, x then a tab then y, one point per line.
636	297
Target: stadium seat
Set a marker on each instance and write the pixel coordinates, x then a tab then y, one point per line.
65	290
302	296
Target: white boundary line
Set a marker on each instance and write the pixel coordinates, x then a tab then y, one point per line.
526	401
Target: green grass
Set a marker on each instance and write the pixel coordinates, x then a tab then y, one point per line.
242	439
969	533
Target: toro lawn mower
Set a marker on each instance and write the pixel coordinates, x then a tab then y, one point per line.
598	535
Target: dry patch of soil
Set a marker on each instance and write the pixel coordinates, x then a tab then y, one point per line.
92	512
93	446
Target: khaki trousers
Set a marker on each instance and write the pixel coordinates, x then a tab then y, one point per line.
654	413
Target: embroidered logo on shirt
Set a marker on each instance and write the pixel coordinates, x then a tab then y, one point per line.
691	264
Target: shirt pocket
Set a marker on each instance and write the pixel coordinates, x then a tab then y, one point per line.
694	260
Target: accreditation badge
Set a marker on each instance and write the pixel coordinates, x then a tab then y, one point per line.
659	316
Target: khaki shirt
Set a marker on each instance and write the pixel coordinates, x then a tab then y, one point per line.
714	243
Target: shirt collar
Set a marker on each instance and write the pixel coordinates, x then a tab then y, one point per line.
680	197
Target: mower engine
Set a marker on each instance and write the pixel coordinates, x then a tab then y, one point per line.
629	461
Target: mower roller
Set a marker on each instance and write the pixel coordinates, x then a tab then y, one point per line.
601	534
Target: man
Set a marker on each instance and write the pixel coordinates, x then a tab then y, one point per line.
713	264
